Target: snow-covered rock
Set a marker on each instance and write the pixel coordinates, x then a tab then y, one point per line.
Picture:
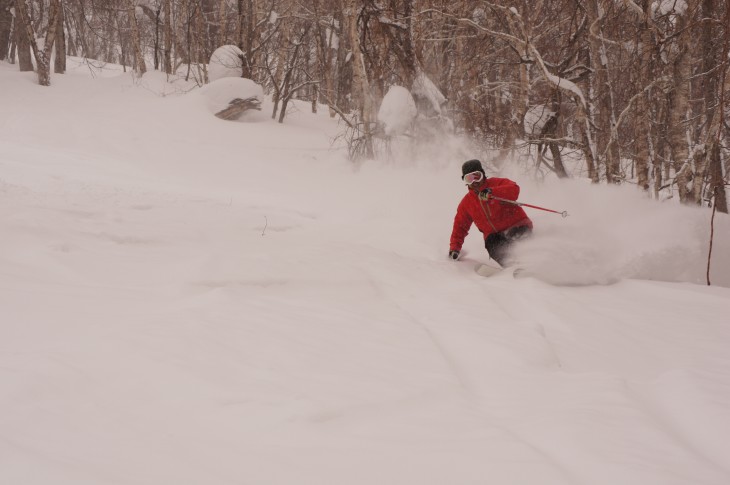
226	61
219	94
397	111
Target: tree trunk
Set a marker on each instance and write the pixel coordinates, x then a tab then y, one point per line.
322	38
245	35
717	183
156	47
167	32
641	122
287	88
80	24
279	72
550	130
315	97
588	143
6	23
678	108
327	69
70	42
222	24
313	92
251	57
202	54
240	29
642	146
602	96
710	55
123	44
661	170
42	57
13	45
712	158
139	63
711	98
25	58
59	66
360	82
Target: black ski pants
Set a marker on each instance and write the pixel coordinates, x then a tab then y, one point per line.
498	243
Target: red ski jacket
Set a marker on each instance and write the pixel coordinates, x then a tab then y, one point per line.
488	215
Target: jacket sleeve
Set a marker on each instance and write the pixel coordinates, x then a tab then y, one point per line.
504	188
462	224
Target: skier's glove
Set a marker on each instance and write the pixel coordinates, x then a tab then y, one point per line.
485	194
454	255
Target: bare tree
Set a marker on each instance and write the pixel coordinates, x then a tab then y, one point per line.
680	73
602	90
6	23
25	59
360	81
140	66
59	64
42	56
167	33
293	64
246	33
326	31
715	99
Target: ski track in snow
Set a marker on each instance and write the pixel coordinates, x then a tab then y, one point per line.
173	313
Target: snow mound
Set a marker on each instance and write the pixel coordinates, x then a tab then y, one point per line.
219	94
226	61
397	111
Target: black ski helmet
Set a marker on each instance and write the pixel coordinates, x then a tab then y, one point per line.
471	166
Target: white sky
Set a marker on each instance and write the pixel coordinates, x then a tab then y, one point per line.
186	300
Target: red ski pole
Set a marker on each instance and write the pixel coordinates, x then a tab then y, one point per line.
522	204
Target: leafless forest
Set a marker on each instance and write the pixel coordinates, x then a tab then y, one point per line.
638	89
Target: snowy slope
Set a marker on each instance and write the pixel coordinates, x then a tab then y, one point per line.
185	300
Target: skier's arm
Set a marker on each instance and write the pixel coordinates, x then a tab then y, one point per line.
462	224
504	188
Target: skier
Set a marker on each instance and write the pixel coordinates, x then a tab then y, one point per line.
501	223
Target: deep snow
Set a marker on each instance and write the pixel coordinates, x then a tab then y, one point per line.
187	300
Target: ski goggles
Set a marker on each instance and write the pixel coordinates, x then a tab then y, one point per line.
473	177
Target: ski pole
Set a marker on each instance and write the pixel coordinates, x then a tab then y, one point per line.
522	204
